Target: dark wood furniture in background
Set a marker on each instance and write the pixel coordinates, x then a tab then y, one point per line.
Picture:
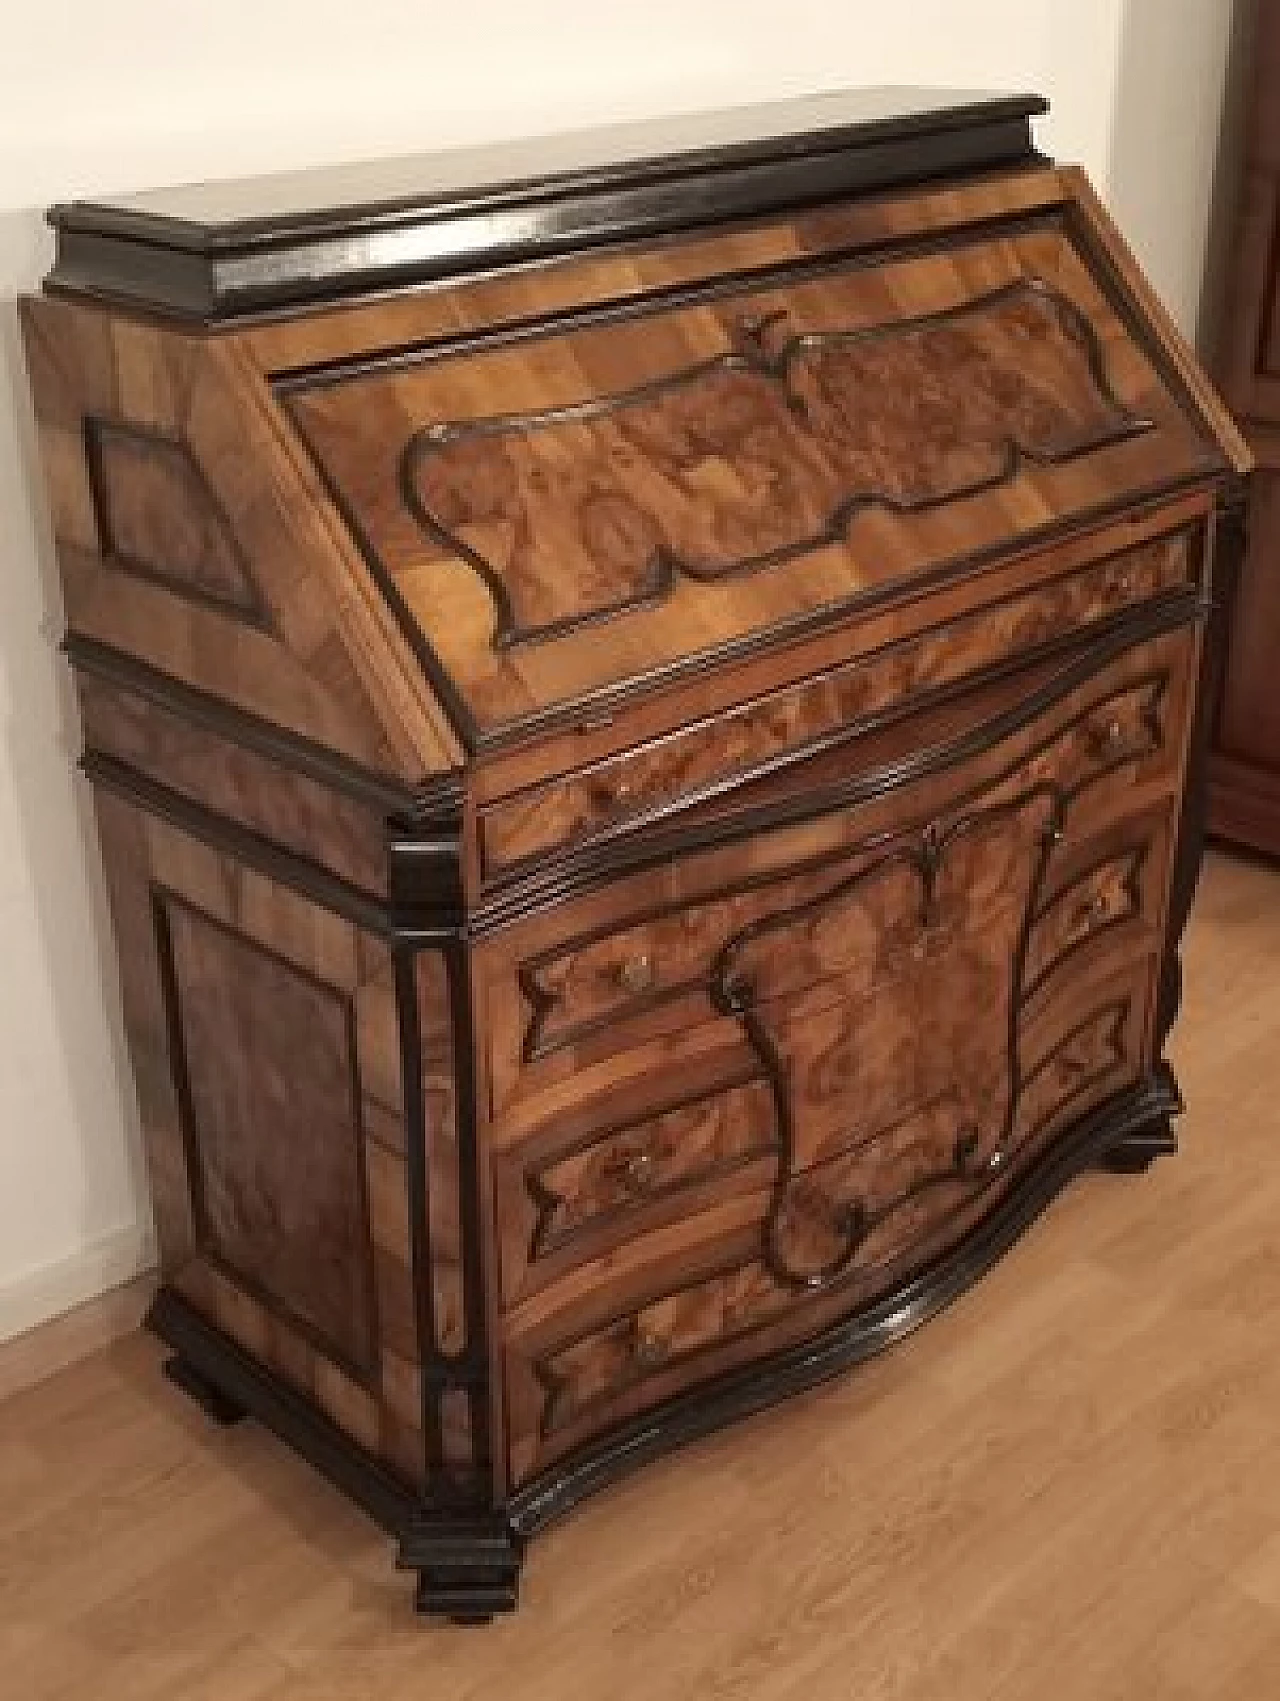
1244	796
639	694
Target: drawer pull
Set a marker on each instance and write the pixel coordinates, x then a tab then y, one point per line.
635	974
638	1171
611	793
1092	910
1107	738
647	1349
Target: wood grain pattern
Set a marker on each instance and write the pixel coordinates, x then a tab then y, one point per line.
281	1202
640	796
570	1375
298	814
951	1520
709	503
733	746
157	517
316	658
608	503
614	974
264	1063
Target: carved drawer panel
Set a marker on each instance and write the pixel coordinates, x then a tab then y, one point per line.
787	724
784	1261
558	1207
845	904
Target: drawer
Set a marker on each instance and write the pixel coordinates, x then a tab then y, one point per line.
784	726
620	987
566	1196
774	1265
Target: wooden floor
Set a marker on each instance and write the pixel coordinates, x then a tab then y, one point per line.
1067	1488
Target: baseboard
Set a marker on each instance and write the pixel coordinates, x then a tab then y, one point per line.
39	1353
39	1296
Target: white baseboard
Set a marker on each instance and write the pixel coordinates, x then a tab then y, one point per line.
37	1296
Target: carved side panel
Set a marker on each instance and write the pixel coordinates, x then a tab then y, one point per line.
264	1036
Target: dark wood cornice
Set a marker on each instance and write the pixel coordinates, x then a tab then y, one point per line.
217	252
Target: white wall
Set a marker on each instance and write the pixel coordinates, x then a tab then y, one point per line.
98	97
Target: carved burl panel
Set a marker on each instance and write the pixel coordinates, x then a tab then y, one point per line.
578	512
915	1084
774	451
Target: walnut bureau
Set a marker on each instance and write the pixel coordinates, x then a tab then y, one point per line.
641	695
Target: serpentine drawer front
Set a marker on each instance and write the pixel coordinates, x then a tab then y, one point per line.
641	693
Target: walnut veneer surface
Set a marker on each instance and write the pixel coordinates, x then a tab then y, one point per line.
648	773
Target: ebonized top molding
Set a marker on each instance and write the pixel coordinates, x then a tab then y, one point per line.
213	252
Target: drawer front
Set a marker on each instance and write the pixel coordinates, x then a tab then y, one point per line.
785	725
779	1263
559	1201
615	986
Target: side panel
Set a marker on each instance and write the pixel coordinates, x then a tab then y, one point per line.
291	1155
188	540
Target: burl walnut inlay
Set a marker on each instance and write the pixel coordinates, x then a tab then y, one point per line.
758	454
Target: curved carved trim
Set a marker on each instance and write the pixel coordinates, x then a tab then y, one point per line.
854	1222
666	567
1134	863
925	854
751	1388
541	1001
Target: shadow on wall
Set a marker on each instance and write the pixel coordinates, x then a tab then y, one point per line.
67	1082
1181	93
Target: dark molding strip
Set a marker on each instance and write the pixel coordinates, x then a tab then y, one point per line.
666	178
662	837
288	381
231	839
239	726
388	1501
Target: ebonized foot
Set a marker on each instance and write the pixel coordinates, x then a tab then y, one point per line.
1137	1154
1151	1135
468	1565
220	1407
